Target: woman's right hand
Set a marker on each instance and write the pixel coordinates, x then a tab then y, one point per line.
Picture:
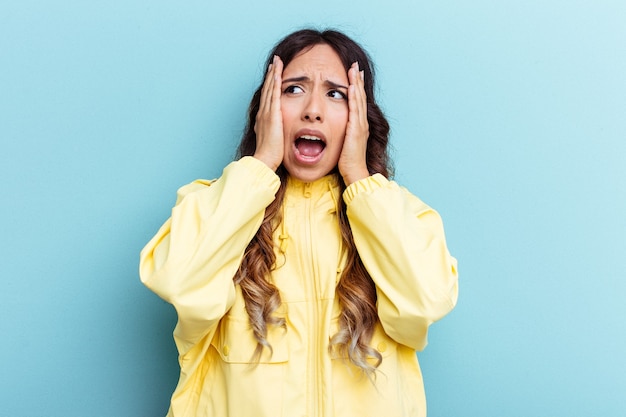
269	120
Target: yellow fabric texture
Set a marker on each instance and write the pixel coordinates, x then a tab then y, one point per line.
192	259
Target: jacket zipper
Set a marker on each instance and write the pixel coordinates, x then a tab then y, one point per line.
314	333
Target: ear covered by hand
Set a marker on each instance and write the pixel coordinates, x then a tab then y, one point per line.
352	162
269	124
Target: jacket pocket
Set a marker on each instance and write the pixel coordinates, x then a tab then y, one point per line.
236	383
372	395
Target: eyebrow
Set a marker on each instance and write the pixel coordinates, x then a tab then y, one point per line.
307	79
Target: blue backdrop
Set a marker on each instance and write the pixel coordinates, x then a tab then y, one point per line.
508	117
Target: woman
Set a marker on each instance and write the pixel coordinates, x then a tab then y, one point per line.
304	280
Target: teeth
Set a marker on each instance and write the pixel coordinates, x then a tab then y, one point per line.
307	137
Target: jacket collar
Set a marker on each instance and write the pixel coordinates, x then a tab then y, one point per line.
316	189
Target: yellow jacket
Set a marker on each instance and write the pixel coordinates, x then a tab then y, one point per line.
192	260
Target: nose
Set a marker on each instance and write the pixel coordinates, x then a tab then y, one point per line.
314	109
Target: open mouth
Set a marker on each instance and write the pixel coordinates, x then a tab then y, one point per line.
309	146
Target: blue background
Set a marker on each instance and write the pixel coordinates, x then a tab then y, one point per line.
508	117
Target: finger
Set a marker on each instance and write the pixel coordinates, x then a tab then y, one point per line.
362	103
357	102
352	87
264	86
268	88
361	96
276	92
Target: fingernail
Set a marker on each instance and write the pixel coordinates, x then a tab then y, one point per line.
362	75
275	58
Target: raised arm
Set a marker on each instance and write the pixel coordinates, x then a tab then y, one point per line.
402	244
192	259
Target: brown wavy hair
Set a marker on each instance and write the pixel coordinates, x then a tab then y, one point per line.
355	290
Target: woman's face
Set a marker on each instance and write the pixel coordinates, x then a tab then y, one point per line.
314	105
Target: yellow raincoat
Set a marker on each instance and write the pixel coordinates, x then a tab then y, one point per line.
192	260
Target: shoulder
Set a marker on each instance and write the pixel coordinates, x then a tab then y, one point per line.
192	187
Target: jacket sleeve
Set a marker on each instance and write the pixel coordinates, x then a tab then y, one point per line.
193	258
402	245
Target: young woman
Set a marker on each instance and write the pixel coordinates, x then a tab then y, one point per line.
303	278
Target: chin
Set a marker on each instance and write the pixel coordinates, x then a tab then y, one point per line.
309	174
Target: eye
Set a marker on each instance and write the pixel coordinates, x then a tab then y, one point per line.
336	94
293	89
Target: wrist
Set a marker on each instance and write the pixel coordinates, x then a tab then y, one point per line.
267	160
355	175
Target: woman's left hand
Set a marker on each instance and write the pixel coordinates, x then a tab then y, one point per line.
352	161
